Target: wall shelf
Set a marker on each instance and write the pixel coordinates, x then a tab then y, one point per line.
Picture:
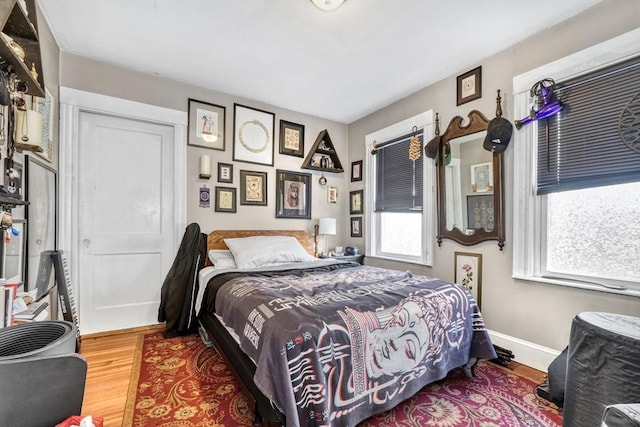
323	155
22	26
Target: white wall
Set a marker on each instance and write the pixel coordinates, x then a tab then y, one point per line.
534	312
94	76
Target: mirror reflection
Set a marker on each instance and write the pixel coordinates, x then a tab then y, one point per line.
469	185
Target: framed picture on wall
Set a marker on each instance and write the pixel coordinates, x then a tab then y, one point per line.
482	178
356	171
291	139
469	86
225	172
356	226
356	202
480	212
468	273
225	199
46	107
206	125
253	188
253	135
332	195
293	194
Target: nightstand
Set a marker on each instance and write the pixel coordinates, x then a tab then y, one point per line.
359	258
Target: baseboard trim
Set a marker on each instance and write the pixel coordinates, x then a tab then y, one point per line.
525	352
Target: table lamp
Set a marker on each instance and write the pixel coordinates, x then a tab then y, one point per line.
326	226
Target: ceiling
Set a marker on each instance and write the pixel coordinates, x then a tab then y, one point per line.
339	65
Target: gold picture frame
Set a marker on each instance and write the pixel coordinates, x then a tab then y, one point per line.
332	195
468	273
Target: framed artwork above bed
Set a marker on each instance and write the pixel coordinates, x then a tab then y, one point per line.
293	194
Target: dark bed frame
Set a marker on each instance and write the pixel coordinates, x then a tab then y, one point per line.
242	367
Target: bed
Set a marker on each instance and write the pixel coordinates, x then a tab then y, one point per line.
321	342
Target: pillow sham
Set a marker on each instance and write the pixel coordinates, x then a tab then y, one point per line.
221	258
256	251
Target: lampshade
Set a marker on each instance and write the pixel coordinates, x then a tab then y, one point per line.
327	226
327	5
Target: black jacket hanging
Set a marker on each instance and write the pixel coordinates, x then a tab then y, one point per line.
180	287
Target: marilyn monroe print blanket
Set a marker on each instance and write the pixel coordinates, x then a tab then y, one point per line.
336	345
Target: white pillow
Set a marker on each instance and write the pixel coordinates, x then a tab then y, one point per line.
221	258
256	251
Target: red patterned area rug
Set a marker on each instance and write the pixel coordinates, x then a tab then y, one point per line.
179	382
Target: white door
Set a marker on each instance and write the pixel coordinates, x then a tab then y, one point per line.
125	220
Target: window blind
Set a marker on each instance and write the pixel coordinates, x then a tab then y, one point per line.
594	140
399	180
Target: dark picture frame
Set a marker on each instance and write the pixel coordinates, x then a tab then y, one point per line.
206	121
480	212
356	202
356	171
41	185
293	194
225	199
225	173
291	139
253	188
469	86
253	135
356	226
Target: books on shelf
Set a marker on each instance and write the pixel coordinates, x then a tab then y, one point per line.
9	293
32	312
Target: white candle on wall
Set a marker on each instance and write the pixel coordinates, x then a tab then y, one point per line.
205	167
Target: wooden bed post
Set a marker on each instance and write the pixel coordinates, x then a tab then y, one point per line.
316	228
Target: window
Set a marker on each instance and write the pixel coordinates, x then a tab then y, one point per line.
399	217
577	176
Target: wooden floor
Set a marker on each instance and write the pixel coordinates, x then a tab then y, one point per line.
110	357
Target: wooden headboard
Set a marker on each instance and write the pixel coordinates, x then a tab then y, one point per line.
215	239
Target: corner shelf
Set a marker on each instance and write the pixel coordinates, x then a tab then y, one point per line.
323	148
23	29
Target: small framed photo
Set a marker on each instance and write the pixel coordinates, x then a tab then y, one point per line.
356	226
291	139
253	135
46	107
469	86
356	202
482	178
293	194
253	188
356	171
206	125
225	199
468	273
332	195
225	172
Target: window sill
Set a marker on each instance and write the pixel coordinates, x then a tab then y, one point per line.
403	260
580	285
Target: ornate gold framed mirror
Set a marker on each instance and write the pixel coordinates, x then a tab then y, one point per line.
470	193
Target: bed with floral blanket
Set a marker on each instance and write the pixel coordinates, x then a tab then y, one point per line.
334	343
